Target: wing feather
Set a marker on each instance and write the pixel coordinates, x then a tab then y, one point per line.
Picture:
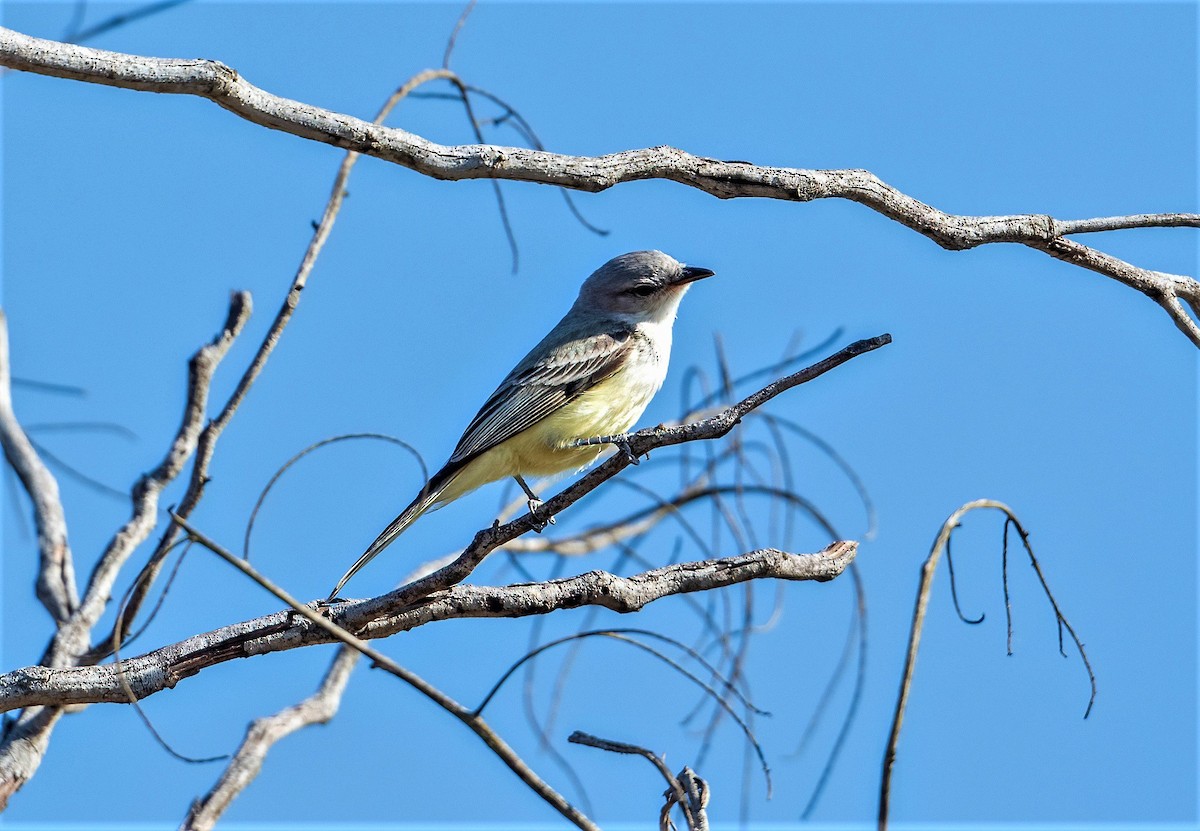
537	389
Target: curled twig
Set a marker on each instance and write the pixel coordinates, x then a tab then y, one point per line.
918	621
262	496
687	790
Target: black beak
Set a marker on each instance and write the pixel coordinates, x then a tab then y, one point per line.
691	274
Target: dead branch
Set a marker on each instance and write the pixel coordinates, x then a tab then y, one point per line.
262	734
207	441
928	568
56	570
640	444
146	491
24	742
1178	295
164	668
473	721
687	790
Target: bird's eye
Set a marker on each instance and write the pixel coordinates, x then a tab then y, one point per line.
644	290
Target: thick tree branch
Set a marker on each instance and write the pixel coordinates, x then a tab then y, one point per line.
1178	295
56	571
164	668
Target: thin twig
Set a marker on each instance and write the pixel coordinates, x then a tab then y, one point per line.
620	635
77	35
474	722
860	680
263	733
675	788
954	588
501	207
262	496
918	621
23	744
48	386
207	441
458	26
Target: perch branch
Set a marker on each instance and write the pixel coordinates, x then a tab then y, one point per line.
640	443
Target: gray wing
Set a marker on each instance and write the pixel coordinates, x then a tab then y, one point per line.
539	386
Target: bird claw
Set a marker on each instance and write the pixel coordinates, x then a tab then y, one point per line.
539	522
621	442
623	445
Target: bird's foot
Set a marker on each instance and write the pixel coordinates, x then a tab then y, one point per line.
540	519
620	441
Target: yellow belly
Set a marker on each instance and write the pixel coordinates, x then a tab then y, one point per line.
544	449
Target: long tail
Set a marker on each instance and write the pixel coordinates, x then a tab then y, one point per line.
425	499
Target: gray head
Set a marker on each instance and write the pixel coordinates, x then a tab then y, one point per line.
643	285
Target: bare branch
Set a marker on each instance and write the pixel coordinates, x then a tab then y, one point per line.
164	668
56	570
262	735
49	387
723	179
687	790
1121	223
640	444
924	588
146	491
458	26
262	496
23	744
623	636
471	719
207	441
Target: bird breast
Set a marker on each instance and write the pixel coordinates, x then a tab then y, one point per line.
611	407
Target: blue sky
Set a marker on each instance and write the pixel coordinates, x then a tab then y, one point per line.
128	217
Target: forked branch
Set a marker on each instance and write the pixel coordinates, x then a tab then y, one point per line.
437	596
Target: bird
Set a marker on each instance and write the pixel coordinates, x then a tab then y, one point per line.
580	389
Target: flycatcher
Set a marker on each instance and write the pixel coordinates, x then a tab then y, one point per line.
581	388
